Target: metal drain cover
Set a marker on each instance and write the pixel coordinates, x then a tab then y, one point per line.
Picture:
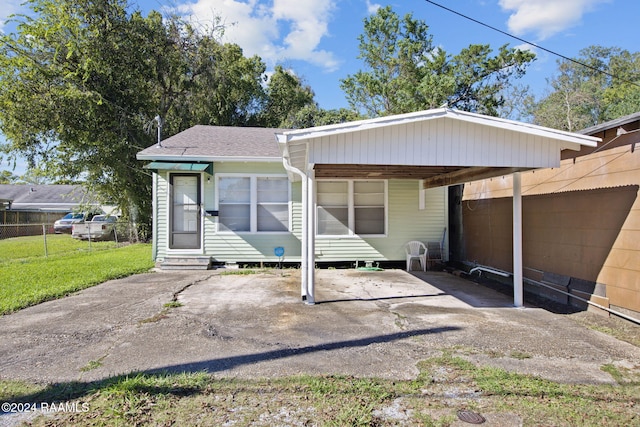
470	417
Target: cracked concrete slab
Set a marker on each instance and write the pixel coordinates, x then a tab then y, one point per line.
254	325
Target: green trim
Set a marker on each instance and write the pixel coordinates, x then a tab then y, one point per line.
166	166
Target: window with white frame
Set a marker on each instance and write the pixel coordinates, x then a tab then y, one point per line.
354	207
253	203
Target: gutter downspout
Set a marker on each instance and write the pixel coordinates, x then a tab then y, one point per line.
304	265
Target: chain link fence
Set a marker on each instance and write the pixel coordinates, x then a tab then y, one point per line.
41	240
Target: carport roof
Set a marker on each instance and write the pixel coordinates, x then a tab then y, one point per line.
441	146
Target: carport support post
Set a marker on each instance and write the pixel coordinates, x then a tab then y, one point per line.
304	262
311	241
517	240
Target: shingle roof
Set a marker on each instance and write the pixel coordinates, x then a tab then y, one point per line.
25	196
209	142
621	121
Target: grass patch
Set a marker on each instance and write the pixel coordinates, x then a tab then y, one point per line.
519	355
24	248
29	281
93	364
173	304
445	385
239	272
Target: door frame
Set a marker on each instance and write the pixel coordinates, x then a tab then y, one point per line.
200	226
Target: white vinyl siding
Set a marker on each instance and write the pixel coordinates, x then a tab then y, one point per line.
405	222
162	214
351	207
441	142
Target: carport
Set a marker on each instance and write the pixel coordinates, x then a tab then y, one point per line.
439	147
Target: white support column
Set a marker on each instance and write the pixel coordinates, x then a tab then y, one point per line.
311	238
304	262
517	240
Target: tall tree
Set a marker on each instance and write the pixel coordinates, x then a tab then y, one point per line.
285	95
80	79
407	72
601	84
312	115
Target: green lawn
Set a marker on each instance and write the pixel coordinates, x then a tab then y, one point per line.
57	244
445	385
28	278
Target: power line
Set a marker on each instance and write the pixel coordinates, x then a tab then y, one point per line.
533	44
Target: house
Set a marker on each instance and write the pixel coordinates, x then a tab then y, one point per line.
581	222
38	204
354	191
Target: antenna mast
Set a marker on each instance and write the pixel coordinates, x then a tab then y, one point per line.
158	120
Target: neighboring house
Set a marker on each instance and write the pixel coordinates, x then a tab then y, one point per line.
38	204
581	222
354	191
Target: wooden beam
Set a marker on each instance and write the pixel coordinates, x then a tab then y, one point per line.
354	171
468	174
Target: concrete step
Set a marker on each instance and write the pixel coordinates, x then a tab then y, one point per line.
186	263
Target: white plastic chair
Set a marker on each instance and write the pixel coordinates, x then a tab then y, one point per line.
416	249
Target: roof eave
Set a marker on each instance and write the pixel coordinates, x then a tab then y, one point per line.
179	158
320	131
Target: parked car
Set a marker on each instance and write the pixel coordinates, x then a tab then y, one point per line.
101	227
64	224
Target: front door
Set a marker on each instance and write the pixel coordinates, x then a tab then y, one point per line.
185	228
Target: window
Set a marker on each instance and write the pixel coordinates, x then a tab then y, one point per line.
253	203
351	208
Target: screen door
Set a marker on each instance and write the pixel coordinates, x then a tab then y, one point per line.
185	230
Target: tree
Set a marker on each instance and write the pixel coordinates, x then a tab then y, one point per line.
7	177
285	95
312	115
408	72
81	79
606	87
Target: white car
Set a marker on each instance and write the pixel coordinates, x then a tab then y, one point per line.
101	227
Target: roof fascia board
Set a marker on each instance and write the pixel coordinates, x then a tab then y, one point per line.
358	125
179	158
611	124
532	129
320	131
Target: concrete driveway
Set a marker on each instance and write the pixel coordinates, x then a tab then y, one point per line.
364	324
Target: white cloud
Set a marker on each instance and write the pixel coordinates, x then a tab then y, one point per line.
545	17
9	7
276	31
372	7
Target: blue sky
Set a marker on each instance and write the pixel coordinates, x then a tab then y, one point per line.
317	39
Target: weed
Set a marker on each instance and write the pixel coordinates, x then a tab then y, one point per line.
519	355
238	272
173	304
93	364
